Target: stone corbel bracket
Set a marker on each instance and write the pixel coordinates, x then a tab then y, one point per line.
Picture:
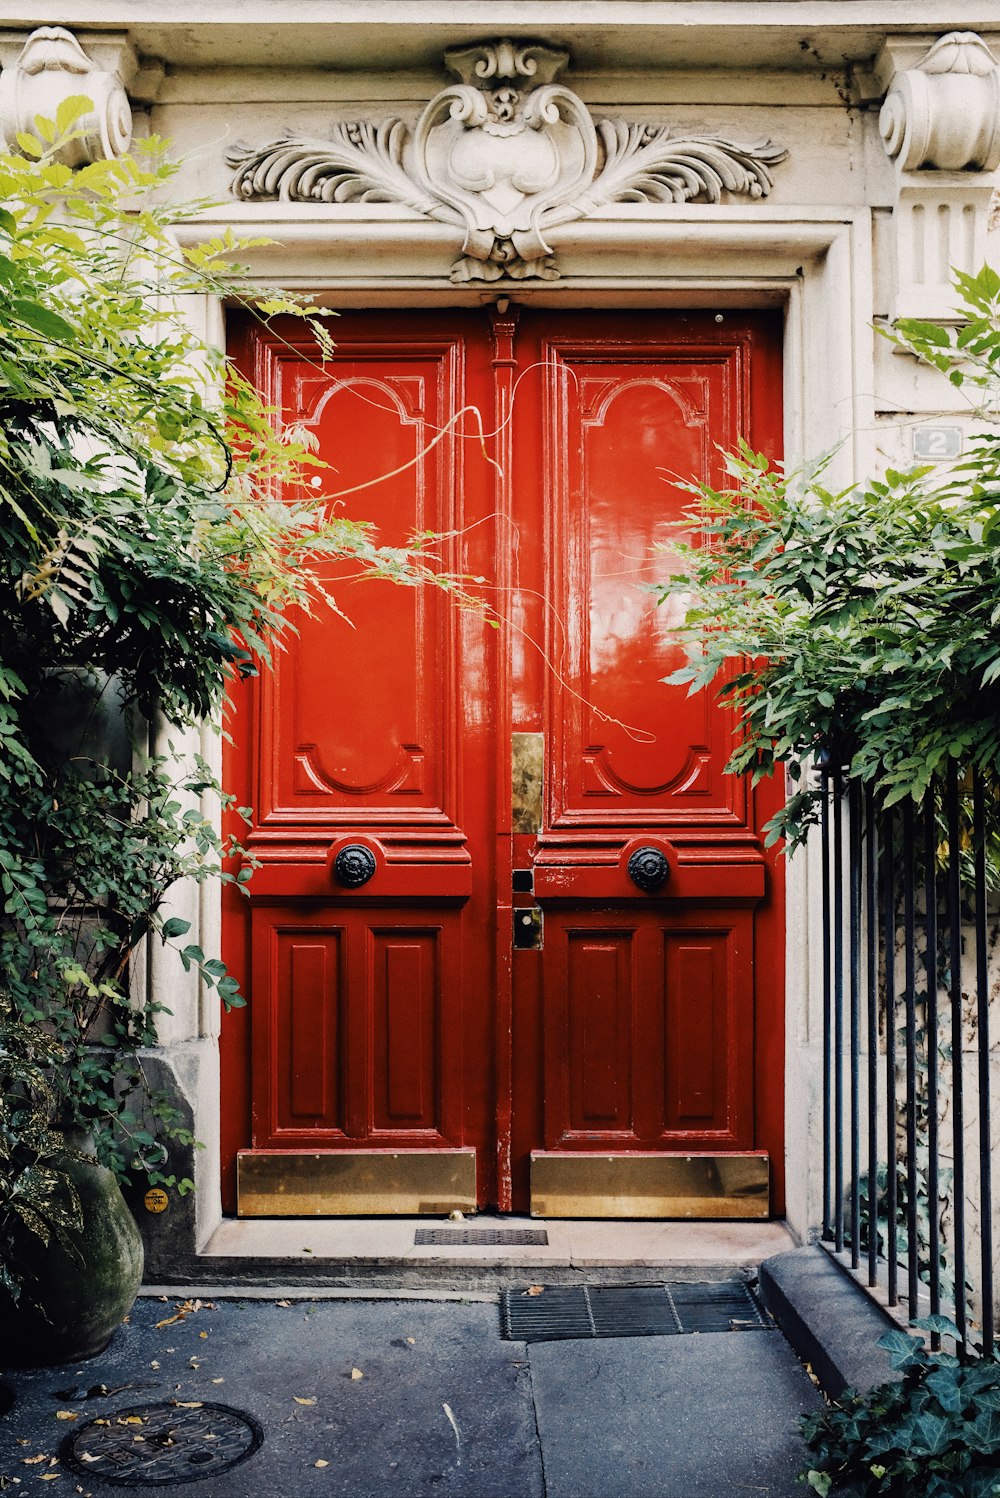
944	113
940	125
505	155
51	66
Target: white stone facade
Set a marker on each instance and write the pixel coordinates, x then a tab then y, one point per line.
831	157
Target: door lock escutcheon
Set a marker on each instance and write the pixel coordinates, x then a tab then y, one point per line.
528	929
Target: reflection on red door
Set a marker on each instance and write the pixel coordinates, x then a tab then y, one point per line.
403	1013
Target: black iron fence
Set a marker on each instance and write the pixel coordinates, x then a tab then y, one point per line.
910	927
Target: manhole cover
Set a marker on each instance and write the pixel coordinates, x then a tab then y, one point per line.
549	1313
488	1237
157	1445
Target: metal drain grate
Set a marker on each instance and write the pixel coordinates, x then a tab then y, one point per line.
158	1445
556	1312
485	1237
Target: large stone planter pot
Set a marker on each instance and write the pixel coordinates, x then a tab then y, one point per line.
74	1298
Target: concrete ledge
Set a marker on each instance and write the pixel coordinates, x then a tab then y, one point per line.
381	1253
827	1318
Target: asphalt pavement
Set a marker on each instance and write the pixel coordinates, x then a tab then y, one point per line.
404	1398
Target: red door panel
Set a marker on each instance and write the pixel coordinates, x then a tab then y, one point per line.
626	749
393	668
356	1023
649	1026
395	1015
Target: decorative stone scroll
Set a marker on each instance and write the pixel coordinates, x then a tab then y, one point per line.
506	154
944	113
51	67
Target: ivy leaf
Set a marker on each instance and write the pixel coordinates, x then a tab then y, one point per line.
940	1324
933	1434
903	1349
981	1482
983	1434
945	1387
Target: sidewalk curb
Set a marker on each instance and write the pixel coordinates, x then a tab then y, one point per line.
829	1321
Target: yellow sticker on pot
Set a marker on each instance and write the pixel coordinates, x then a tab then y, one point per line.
156	1200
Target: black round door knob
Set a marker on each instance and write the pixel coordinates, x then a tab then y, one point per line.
648	868
354	865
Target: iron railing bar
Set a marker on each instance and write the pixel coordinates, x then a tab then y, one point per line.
854	830
910	1012
871	922
827	1007
933	1143
891	1192
957	1091
983	1048
838	1010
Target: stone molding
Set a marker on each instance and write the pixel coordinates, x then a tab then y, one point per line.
506	154
944	113
40	73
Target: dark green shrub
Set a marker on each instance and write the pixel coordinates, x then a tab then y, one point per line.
933	1434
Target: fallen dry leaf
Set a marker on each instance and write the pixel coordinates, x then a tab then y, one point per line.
203	1334
188	1404
283	1303
321	1464
50	1476
356	1374
302	1401
32	1461
412	1341
154	1364
535	1290
67	1415
186	1308
218	1380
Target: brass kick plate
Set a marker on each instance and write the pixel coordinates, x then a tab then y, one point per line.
355	1183
649	1185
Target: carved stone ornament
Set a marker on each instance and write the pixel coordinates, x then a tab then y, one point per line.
51	68
507	154
945	112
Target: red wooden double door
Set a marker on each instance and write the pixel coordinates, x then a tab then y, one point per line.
497	980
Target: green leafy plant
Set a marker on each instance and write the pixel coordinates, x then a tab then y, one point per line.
934	1433
157	534
859	623
37	1199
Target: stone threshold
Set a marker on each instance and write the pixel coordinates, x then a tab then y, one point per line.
380	1253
